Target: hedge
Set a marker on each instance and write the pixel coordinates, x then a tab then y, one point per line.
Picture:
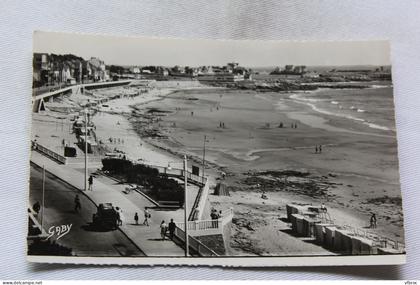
159	186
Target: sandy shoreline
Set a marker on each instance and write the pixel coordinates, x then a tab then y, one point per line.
351	158
355	171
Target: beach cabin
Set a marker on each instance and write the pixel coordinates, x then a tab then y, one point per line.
343	241
320	233
329	236
291	209
221	189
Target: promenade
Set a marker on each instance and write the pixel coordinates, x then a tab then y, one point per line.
106	190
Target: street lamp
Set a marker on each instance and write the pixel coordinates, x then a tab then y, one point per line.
43	197
204	154
86	149
185	204
186	208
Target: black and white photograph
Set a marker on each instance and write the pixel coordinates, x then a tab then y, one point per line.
219	152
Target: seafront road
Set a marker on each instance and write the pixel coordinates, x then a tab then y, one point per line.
83	239
105	190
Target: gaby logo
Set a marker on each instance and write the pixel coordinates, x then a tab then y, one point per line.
59	231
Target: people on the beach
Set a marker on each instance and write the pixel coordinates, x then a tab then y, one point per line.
323	208
136	218
147	216
163	229
77	205
373	221
90	180
171	228
263	195
318	149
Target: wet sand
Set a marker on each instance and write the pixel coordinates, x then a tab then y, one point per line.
360	163
358	166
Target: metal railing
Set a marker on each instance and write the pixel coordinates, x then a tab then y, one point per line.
179	172
214	226
227	216
377	240
52	154
36	224
194	244
202	225
200	201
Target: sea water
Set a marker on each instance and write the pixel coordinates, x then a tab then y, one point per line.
373	106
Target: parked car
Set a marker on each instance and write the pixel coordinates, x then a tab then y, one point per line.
106	217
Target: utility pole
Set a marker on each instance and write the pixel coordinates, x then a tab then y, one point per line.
86	150
204	155
43	197
186	208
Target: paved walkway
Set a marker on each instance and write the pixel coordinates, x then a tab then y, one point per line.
106	190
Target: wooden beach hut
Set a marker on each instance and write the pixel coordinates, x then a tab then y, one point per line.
329	236
221	189
291	209
320	233
343	241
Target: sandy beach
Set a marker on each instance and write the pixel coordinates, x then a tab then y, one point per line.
353	176
250	138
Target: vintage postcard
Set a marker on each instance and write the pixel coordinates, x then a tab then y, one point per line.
208	152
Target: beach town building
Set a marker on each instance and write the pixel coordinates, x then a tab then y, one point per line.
52	70
290	70
231	72
135	69
41	68
97	69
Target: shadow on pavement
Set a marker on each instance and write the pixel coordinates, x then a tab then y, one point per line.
92	228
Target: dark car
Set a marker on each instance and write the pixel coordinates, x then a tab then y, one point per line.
106	217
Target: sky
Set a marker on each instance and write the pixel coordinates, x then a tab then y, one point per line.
193	52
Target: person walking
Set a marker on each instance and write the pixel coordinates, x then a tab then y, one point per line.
323	208
77	205
316	149
147	216
214	216
36	207
320	148
90	180
163	229
171	228
373	221
136	218
119	218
